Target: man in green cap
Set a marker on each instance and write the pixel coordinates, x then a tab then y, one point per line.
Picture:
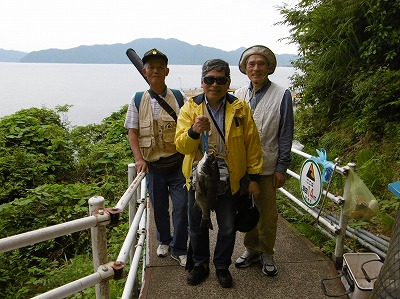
151	132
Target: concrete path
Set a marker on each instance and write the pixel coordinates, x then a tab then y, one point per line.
301	268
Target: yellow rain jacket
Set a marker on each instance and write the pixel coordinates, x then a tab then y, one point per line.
243	146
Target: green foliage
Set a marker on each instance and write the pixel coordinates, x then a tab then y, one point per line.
47	175
46	205
382	47
304	224
34	149
376	104
349	82
103	152
349	60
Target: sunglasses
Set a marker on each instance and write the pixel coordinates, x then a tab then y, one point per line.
220	80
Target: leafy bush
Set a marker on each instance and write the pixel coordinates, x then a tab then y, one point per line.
34	150
47	175
349	84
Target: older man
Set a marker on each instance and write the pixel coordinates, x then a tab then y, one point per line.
151	132
233	137
273	113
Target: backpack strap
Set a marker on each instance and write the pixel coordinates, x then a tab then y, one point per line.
177	94
138	98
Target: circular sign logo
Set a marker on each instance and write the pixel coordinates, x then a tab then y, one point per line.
310	183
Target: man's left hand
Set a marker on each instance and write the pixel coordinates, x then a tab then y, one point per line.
279	179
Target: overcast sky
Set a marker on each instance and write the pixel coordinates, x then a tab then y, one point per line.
31	25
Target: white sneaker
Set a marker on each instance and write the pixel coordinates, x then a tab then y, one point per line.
269	267
246	259
162	250
181	259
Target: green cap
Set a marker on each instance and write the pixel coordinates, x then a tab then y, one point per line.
154	53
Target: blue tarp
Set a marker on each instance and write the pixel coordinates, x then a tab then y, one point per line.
395	188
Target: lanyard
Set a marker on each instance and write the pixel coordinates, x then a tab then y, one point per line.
204	142
215	123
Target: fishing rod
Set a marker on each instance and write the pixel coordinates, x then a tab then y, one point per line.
136	61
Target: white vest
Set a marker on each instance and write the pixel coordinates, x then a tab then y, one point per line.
267	116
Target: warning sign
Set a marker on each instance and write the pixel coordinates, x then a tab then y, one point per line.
310	183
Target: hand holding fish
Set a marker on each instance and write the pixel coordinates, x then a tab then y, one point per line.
201	124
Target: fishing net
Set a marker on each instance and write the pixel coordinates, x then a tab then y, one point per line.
387	285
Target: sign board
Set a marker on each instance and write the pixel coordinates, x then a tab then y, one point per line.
310	183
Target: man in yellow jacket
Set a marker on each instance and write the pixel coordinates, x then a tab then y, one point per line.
226	125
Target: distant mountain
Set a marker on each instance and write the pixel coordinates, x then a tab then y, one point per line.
11	55
178	52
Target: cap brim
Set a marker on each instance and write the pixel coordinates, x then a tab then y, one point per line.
147	58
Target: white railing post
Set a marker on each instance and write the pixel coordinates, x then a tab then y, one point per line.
131	173
99	245
133	202
343	220
132	212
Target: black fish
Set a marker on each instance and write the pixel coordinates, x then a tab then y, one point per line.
206	187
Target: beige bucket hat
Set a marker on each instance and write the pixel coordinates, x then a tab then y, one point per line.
258	50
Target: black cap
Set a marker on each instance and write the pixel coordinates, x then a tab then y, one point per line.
154	53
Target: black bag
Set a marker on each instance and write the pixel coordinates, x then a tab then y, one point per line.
166	165
247	214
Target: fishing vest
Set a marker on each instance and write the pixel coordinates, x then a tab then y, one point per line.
156	136
267	117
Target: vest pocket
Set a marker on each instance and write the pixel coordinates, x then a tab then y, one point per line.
169	132
145	127
145	141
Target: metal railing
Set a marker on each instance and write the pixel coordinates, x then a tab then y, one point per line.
337	225
135	197
133	245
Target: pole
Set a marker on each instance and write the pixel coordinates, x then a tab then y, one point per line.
343	219
99	246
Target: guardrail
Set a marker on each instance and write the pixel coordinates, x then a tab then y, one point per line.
337	225
100	216
135	198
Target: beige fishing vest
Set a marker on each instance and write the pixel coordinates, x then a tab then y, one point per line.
156	137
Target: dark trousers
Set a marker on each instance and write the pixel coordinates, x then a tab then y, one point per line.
199	236
161	188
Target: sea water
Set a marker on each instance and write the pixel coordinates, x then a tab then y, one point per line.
95	91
